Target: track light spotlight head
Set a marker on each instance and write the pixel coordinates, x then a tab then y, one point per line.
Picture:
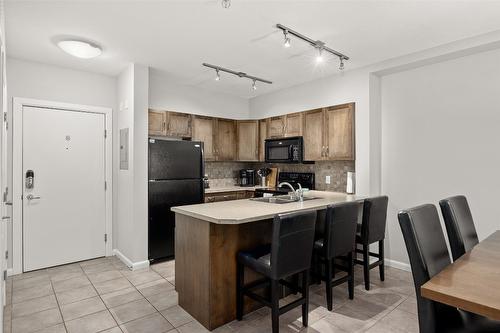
226	3
319	57
341	66
217	75
254	85
287	39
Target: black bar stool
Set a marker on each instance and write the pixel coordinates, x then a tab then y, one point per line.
338	242
371	230
459	224
288	255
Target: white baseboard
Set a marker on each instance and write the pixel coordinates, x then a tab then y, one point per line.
130	264
398	264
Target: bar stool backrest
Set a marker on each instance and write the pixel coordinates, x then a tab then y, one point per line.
340	228
292	243
374	219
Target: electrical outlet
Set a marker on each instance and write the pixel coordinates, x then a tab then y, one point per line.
327	179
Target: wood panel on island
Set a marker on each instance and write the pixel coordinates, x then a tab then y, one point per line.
329	133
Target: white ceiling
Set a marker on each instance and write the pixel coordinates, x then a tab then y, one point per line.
175	37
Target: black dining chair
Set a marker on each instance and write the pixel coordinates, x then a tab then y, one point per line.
289	254
428	256
459	225
372	230
337	242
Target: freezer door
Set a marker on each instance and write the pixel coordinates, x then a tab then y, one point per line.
171	159
164	195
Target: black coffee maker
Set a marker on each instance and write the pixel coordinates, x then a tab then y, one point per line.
247	177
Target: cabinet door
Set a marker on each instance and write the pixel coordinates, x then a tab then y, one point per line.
226	140
293	124
276	127
203	130
339	139
262	137
313	135
179	124
157	120
248	140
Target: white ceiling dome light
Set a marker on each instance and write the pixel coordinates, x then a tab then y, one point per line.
80	49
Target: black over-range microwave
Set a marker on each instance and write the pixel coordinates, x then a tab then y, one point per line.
284	150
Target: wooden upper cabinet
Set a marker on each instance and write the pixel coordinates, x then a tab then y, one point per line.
276	127
179	124
313	135
262	137
225	139
157	123
203	130
293	124
248	140
339	133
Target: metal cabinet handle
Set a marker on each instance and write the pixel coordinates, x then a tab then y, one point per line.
323	151
163	127
32	197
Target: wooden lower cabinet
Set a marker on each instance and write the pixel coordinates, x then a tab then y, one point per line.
227	196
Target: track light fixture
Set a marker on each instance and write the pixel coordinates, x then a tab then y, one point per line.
287	39
319	45
239	74
226	3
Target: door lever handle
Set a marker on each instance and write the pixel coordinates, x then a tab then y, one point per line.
5	217
32	197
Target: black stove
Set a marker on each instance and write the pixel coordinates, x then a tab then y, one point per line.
305	179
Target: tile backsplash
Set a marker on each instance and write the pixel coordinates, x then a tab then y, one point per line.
221	174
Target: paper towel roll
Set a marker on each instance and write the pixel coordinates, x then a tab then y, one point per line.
351	182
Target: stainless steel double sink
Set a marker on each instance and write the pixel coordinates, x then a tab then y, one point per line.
282	199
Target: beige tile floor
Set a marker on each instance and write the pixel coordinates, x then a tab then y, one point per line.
103	295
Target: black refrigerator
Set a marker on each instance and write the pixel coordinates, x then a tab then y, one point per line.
175	179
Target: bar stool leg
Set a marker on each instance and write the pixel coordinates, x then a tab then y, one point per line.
305	294
381	253
240	280
275	307
366	265
350	281
329	297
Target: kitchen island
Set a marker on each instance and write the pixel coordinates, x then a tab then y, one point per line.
207	239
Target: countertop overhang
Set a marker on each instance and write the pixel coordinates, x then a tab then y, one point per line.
246	210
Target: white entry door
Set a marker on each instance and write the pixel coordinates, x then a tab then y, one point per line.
64	206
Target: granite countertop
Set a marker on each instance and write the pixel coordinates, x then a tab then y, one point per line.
234	188
246	210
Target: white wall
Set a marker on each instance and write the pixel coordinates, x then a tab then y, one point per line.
132	193
440	136
352	86
40	81
167	94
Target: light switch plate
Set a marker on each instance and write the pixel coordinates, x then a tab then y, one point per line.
327	179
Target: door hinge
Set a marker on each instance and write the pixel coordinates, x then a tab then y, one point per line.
5	275
6	254
5	120
105	237
105	133
105	185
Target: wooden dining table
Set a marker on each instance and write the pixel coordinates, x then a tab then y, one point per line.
471	283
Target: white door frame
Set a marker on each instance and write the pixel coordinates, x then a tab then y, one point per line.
17	170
